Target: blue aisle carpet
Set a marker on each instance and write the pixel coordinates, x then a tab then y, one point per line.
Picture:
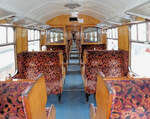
76	79
73	103
72	106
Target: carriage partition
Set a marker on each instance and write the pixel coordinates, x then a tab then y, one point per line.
35	99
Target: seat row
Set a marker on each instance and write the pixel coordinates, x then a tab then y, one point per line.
50	63
109	63
118	95
25	99
121	98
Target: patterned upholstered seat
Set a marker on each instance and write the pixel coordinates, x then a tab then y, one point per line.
131	99
121	98
109	63
92	48
11	106
31	64
58	48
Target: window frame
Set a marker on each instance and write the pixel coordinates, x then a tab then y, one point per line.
13	43
33	40
137	40
52	35
112	38
90	33
147	33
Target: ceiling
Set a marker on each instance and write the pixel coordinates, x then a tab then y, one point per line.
40	11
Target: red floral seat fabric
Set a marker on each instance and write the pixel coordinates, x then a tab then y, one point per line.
11	106
109	63
31	64
131	99
58	48
95	47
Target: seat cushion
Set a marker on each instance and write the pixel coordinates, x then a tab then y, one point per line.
11	106
54	87
131	99
90	88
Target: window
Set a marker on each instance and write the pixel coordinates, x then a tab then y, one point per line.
140	49
33	40
7	54
91	34
3	35
134	32
112	39
55	35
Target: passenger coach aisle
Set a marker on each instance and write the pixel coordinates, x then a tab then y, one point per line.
73	103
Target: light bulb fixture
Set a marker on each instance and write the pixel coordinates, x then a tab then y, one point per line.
72	5
74	13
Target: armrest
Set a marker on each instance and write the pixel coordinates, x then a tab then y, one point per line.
92	112
81	63
83	69
15	73
61	84
51	112
63	71
133	75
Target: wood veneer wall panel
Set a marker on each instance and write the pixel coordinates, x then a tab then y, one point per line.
21	40
104	38
103	99
35	100
63	20
42	38
123	38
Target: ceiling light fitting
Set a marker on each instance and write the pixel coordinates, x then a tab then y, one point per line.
72	5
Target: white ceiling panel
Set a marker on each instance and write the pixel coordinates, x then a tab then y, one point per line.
5	14
142	10
43	10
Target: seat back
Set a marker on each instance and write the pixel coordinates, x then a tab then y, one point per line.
31	64
110	63
35	98
58	48
94	47
103	99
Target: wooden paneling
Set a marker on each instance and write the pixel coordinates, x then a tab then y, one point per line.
3	21
63	20
35	100
103	99
123	38
42	38
103	38
139	19
21	40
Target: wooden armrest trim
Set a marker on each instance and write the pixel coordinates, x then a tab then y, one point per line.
52	112
92	112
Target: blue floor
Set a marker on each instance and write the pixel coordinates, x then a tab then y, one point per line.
73	79
73	103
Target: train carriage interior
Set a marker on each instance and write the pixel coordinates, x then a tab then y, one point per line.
74	59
